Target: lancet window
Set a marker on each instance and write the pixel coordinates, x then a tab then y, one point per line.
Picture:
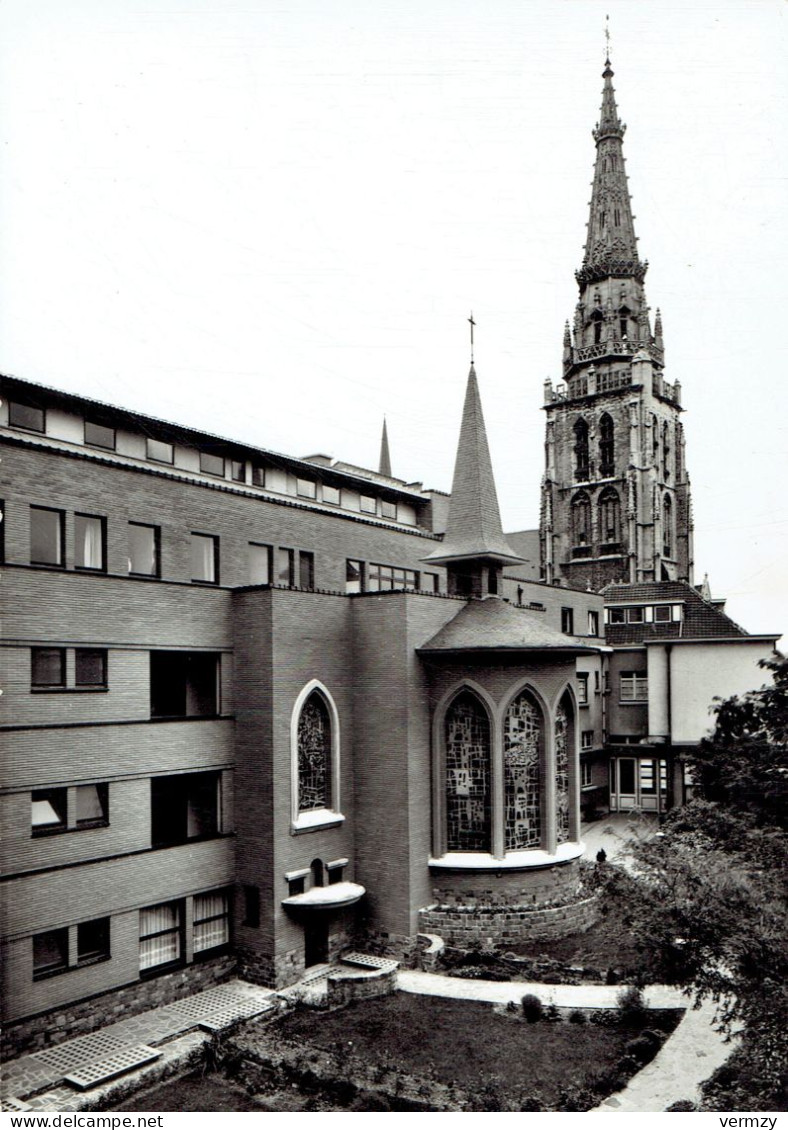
468	785
522	755
606	446
581	448
314	754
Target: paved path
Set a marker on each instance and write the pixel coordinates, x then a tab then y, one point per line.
685	1061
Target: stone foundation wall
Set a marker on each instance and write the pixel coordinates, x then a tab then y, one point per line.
535	887
256	967
64	1023
344	988
500	926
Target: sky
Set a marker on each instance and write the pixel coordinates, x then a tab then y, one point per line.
271	220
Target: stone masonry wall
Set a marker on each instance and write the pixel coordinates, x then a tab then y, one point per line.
501	926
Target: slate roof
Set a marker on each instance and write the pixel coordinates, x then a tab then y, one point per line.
701	619
474	526
496	625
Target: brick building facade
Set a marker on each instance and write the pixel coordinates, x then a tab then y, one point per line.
257	707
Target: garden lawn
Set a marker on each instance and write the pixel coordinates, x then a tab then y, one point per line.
472	1045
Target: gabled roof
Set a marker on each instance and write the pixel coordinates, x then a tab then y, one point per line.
495	625
701	619
474	526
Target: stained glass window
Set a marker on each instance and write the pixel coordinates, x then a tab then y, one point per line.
467	775
521	751
561	774
314	755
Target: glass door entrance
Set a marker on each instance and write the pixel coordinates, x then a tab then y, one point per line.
638	783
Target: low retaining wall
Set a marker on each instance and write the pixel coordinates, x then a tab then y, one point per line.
50	1028
500	926
344	987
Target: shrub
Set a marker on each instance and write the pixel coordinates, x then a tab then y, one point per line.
511	1006
552	1014
612	976
532	1008
640	1049
577	1016
681	1105
632	1005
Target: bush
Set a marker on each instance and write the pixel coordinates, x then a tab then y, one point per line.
511	1006
532	1008
612	977
632	1005
552	1014
681	1105
577	1016
641	1049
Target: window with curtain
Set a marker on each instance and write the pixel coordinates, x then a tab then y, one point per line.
205	558
468	776
88	542
161	940
143	549
211	919
46	536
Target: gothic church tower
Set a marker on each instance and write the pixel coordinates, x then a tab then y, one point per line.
615	493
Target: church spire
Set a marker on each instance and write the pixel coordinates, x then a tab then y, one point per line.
384	466
474	543
611	245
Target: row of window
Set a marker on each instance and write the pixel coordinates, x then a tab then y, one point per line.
644	614
50	670
361	576
183	807
28	418
568	622
161	937
660	439
633	686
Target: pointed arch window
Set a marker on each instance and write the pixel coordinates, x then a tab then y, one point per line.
523	742
623	319
606	446
581	449
581	519
655	440
315	753
468	776
609	518
597	320
666	451
667	526
562	805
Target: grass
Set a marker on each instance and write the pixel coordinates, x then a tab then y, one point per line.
471	1044
192	1093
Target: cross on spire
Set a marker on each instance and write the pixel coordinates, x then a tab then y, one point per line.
472	325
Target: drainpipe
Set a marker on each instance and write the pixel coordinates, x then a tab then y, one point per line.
669	798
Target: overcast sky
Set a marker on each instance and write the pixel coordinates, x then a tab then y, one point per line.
272	219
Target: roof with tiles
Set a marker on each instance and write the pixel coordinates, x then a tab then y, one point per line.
701	619
495	625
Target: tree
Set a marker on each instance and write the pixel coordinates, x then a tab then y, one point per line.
708	898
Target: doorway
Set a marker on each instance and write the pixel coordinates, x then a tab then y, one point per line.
638	783
316	940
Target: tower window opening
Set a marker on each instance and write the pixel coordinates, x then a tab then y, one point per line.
606	446
581	448
667	526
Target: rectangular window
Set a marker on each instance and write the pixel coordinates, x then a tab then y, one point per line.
617	616
306	488
205	559
212	464
92	806
285	567
211	919
26	417
306	570
388	509
633	686
93	941
430	582
368	504
582	689
587	739
662	613
568	621
183	808
46	536
143	550
98	435
159	452
635	615
251	906
385	578
90	667
184	684
48	811
161	932
585	774
259	560
331	495
354	576
238	471
50	953
258	476
47	666
593	623
89	542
